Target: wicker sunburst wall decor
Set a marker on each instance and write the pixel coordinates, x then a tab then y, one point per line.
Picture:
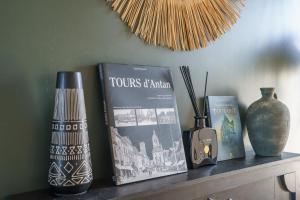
178	24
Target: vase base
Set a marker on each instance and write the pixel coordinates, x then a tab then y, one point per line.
268	155
69	195
70	191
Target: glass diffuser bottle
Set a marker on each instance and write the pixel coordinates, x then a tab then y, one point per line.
200	142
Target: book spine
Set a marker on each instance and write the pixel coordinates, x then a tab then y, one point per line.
207	110
106	117
103	93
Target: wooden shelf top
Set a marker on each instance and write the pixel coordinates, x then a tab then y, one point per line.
106	190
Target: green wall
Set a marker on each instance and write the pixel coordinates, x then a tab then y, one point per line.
40	37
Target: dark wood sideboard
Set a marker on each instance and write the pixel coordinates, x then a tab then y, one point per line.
251	178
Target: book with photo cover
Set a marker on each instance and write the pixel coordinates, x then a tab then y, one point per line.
142	120
223	115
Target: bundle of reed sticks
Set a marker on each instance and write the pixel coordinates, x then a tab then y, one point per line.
178	24
186	75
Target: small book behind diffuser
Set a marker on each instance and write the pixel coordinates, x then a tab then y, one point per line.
200	142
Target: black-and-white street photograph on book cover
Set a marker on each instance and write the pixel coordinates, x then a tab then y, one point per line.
142	119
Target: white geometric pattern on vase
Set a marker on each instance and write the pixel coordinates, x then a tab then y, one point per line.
69	148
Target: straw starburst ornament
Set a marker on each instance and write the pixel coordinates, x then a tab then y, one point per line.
178	24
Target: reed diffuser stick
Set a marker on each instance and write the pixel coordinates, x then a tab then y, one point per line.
185	72
204	102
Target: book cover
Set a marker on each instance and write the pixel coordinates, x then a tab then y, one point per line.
142	120
223	116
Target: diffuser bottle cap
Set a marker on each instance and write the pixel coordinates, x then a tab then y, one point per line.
200	121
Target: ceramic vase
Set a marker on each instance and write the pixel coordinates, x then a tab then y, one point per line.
70	170
268	124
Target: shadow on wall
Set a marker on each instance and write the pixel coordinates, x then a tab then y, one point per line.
278	56
25	136
283	59
99	140
29	103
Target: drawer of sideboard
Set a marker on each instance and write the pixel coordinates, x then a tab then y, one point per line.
261	190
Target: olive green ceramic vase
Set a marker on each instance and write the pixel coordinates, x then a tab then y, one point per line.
268	124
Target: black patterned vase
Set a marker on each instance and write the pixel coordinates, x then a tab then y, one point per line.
70	170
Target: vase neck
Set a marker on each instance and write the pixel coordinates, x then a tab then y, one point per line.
267	93
69	80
